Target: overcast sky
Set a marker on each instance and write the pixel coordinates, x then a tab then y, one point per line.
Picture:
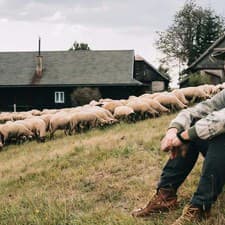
103	24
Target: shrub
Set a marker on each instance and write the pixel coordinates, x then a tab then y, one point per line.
82	96
197	79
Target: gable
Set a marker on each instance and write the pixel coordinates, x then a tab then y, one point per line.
208	60
144	71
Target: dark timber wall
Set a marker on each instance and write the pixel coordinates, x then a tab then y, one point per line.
27	98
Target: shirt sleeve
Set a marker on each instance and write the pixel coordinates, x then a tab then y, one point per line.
210	126
206	114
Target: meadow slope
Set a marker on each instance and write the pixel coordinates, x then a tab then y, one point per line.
94	178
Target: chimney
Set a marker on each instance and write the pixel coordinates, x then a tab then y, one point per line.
39	60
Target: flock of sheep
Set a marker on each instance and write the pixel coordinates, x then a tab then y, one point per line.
21	126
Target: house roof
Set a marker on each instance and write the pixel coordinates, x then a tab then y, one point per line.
206	53
69	68
140	58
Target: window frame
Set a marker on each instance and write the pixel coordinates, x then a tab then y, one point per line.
59	97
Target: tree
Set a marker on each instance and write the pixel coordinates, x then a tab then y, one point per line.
196	79
83	95
79	46
194	29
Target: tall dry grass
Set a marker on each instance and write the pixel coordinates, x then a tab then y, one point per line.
97	177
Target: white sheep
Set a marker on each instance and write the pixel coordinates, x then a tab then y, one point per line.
153	103
124	112
46	118
59	121
170	100
36	125
142	109
180	95
81	121
35	112
5	116
194	93
11	130
110	106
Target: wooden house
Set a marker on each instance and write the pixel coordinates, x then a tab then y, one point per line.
211	63
46	79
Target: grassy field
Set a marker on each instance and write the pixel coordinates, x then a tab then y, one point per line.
97	177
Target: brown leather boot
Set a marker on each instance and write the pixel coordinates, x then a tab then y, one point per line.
192	214
164	200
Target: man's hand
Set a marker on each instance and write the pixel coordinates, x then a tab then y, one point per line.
167	141
176	142
179	148
173	144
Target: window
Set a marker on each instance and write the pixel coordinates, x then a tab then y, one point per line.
158	86
59	97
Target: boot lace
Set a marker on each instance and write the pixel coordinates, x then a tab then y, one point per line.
189	214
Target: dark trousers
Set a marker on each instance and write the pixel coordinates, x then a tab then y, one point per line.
212	178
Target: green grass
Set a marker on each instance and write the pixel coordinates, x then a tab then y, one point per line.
97	177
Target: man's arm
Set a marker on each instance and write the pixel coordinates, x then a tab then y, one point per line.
186	118
208	127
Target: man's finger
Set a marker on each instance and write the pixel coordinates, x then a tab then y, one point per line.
164	146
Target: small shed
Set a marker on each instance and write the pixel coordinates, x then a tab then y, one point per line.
150	76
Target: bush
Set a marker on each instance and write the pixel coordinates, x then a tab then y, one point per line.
82	96
197	79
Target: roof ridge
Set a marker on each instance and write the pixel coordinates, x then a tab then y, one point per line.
51	51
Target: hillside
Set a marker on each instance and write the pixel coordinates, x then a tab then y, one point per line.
97	177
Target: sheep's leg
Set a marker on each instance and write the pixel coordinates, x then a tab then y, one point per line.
193	99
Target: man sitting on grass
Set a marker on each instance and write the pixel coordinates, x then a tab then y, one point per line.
198	129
